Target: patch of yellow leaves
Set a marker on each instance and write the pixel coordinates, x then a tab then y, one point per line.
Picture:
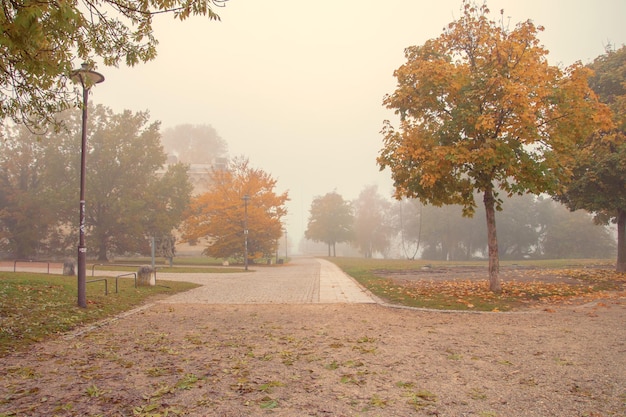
545	287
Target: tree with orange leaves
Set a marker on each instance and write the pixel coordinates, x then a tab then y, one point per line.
239	198
481	110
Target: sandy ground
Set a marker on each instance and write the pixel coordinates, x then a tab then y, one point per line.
328	360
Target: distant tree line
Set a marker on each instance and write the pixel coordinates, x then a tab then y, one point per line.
530	227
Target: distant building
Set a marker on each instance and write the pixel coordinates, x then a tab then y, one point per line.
198	173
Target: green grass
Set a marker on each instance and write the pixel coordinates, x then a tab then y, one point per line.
406	264
178	269
201	261
194	261
475	295
35	307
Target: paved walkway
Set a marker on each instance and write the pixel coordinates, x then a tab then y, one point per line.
302	280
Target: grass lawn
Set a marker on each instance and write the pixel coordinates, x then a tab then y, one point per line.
179	269
593	279
35	306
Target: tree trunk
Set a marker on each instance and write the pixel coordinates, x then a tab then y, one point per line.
102	253
69	267
492	239
621	241
329	249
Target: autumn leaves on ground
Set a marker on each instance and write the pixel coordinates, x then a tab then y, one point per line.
288	360
465	287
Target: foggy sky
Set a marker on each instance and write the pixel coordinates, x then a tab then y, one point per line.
297	86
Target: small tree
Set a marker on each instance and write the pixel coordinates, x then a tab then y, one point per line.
518	227
220	214
331	221
447	235
481	110
372	225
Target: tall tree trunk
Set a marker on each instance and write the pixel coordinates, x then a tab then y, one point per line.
102	253
329	249
102	250
492	240
621	241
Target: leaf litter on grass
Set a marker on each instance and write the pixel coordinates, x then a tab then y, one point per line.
538	286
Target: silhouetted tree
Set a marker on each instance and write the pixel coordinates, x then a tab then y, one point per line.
27	193
372	225
331	221
518	227
194	144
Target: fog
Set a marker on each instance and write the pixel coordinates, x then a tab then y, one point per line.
297	86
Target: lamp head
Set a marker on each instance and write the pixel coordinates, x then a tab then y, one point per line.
86	76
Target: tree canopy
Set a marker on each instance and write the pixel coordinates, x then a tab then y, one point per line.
40	42
26	193
219	215
598	184
127	200
194	144
130	195
331	221
481	110
372	224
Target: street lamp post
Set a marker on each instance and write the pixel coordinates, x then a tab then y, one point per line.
286	244
246	198
87	78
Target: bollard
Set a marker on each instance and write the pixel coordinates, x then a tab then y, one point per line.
69	267
145	276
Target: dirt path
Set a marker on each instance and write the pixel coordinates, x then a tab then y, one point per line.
329	360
